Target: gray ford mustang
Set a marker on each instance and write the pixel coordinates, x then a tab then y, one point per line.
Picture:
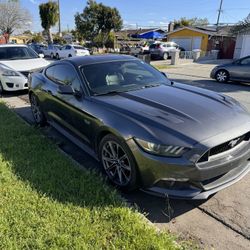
148	132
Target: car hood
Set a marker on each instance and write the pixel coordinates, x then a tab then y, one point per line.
190	112
26	65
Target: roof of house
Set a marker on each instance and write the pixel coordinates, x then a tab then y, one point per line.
209	30
136	32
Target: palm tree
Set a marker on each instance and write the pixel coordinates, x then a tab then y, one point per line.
49	14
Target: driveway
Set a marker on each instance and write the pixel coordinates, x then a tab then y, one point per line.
223	221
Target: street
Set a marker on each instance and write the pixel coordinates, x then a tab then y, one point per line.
221	222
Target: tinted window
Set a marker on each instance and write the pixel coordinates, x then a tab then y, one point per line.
16	53
65	75
68	47
121	76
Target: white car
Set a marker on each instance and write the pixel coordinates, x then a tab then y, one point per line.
51	50
16	63
72	50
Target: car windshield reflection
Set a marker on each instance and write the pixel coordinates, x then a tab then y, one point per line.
121	76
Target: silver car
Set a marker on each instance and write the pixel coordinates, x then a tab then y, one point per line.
162	50
238	70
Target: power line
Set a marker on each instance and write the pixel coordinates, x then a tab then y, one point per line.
219	12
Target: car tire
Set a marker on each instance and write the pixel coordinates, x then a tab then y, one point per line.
52	56
165	56
36	110
69	55
1	89
118	163
57	56
222	76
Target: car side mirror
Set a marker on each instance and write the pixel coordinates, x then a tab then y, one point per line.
66	90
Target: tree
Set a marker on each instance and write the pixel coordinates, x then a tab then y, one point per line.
97	21
37	38
13	17
190	22
49	14
108	41
241	26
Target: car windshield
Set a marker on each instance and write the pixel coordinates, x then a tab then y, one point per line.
121	76
17	53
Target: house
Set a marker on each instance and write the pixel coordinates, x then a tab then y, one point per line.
205	39
20	39
242	47
2	39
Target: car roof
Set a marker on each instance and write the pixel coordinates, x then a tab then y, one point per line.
86	60
12	45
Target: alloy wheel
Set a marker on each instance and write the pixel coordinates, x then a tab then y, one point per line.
51	55
221	76
116	163
165	56
36	109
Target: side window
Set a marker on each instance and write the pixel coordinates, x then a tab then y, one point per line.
245	61
66	75
68	47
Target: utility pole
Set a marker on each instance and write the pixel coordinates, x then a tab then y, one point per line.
59	19
219	12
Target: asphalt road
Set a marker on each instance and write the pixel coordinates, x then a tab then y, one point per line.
221	222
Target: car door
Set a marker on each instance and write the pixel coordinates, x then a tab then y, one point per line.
69	110
245	69
240	69
62	52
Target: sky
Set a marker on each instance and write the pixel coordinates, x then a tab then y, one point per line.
149	13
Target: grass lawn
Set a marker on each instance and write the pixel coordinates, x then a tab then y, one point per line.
47	202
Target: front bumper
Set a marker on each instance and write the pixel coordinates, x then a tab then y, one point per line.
187	179
14	83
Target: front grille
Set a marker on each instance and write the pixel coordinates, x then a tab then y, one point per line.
224	147
10	84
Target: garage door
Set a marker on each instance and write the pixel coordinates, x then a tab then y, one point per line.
197	42
185	43
188	43
245	46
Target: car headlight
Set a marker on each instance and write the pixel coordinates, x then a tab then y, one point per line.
10	73
162	150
